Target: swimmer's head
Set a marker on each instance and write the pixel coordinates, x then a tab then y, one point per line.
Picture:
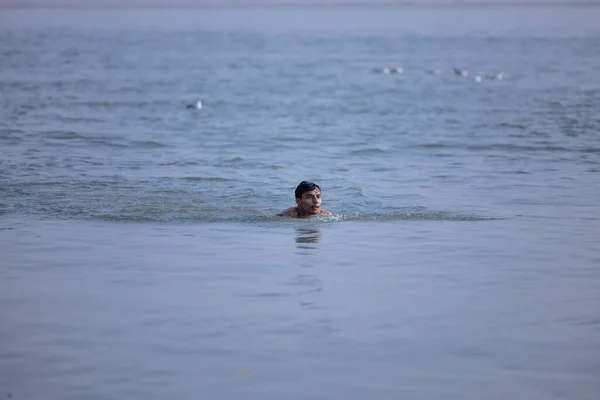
304	187
308	198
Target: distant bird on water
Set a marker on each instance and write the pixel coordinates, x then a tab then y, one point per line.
197	105
389	70
498	76
461	72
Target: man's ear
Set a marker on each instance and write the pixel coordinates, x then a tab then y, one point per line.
298	201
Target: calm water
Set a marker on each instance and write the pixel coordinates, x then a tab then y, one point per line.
141	257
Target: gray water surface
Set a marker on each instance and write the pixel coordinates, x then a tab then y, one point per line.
140	252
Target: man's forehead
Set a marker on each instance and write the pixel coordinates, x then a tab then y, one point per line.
314	191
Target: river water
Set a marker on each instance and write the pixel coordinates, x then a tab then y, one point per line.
140	252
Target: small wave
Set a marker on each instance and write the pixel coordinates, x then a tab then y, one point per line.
289	139
383	217
215	215
108	142
128	218
591	150
151	144
67	135
179	163
11	140
366	152
512	126
73	120
202	178
90	161
11	133
104	104
383	169
418	216
238	162
128	89
528	135
108	201
512	147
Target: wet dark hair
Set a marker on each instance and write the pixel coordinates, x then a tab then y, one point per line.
304	187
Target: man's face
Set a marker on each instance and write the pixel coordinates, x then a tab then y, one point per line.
310	202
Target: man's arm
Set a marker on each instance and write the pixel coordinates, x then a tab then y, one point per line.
326	212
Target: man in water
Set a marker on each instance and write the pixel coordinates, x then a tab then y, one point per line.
308	202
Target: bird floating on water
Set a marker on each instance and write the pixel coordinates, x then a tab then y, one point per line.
197	105
461	72
498	76
389	70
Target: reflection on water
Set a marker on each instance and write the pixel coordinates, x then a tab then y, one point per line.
307	239
310	285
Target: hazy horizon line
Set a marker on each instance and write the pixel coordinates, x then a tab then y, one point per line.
41	4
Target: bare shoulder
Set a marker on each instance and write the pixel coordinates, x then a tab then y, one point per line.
291	212
326	212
